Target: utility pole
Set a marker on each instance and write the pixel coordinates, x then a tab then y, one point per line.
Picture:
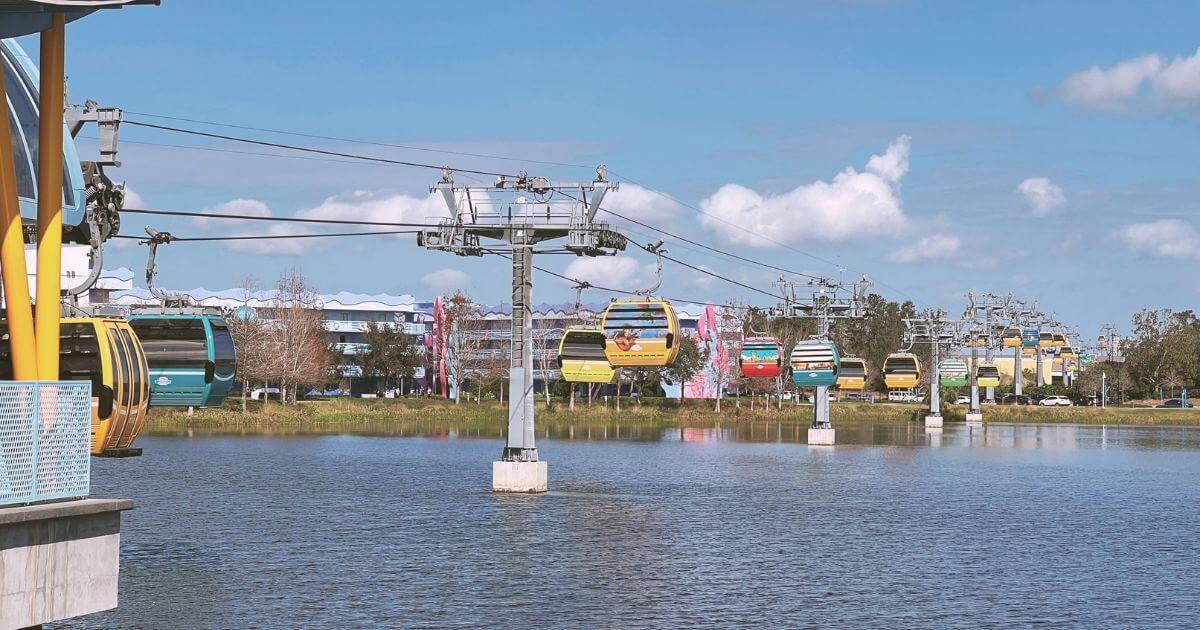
978	317
830	299
934	329
522	213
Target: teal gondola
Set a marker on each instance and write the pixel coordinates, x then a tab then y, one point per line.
814	364
191	356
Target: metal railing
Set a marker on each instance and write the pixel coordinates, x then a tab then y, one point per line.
45	441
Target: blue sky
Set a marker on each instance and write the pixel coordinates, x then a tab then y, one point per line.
747	110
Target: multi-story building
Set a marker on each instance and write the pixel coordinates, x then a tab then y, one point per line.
346	318
348	314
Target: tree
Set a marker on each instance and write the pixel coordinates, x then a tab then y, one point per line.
251	341
462	341
298	343
687	364
391	354
877	334
731	326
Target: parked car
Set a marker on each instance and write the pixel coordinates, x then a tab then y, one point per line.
907	397
1175	403
1055	401
1013	399
962	400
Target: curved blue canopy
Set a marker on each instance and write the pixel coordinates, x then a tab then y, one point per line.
21	84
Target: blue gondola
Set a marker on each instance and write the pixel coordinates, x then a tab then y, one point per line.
814	364
191	357
1030	337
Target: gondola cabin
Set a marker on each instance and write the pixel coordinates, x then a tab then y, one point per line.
581	357
1068	352
952	373
814	364
640	333
901	370
761	357
191	357
1059	340
852	374
21	78
987	375
1011	337
106	352
1029	337
1045	339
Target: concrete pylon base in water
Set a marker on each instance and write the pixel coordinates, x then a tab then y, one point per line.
522	477
821	437
974	419
933	421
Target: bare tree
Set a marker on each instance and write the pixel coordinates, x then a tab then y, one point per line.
299	346
251	341
463	339
731	321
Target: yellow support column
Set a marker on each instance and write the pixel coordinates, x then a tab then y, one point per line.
50	181
12	259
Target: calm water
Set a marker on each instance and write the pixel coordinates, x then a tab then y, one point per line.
1012	525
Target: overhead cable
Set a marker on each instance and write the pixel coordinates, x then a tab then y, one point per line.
292	147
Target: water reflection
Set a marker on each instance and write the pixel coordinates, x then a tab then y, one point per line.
1006	435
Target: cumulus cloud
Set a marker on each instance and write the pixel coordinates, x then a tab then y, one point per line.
133	199
445	280
1146	81
1166	238
853	205
278	246
1041	195
369	206
640	203
933	247
247	207
616	272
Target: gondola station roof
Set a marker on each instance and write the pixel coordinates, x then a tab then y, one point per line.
24	17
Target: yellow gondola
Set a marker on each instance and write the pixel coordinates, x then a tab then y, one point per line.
581	357
1068	352
901	370
987	375
1011	337
106	352
640	333
1045	339
1058	340
852	374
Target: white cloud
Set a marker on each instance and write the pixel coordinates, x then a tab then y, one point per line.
275	246
615	272
933	247
640	203
247	207
134	200
368	206
1149	80
853	205
357	206
445	279
1166	238
1041	195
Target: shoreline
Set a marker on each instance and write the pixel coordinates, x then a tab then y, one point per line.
432	415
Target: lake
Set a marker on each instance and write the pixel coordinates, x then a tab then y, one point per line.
1085	526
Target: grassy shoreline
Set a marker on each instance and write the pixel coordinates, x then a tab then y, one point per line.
399	416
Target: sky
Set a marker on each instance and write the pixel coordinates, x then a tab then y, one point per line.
1047	149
